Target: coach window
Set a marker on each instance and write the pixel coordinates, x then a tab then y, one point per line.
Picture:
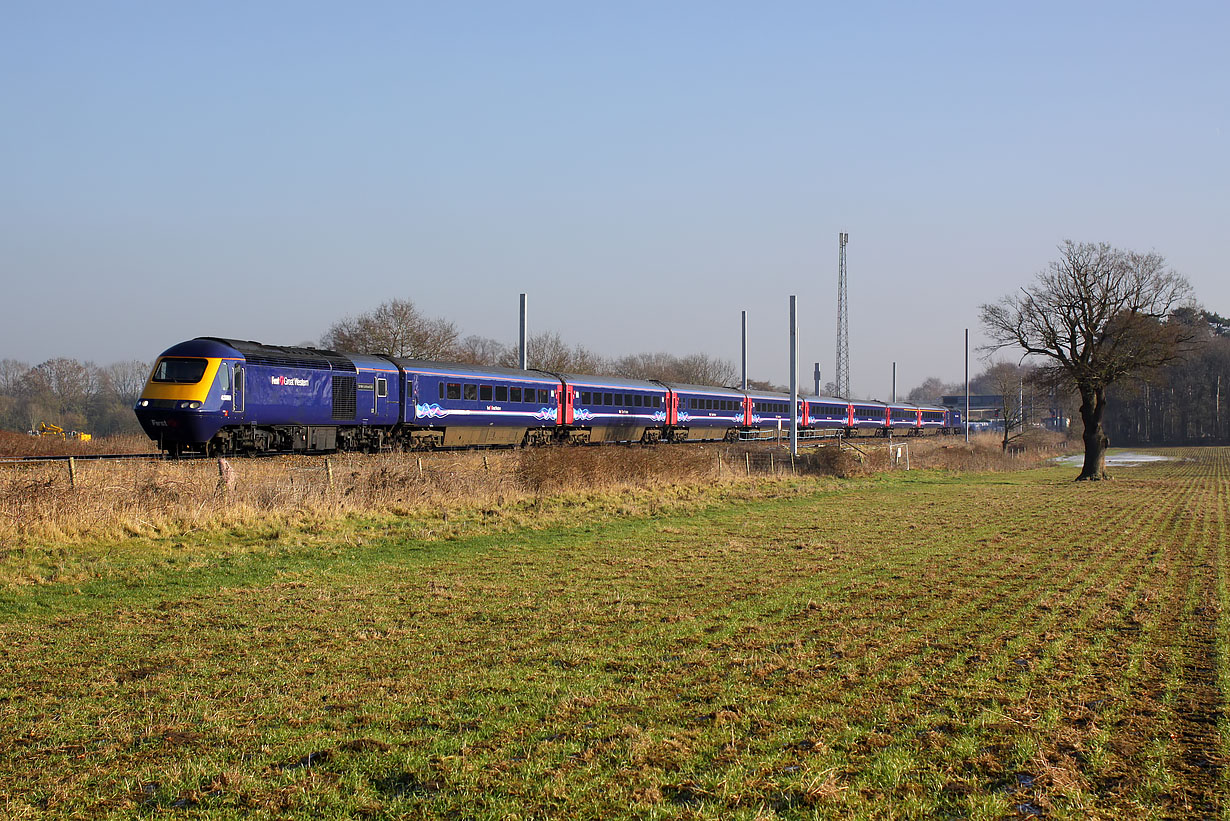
514	394
472	392
501	393
454	390
484	393
542	396
606	399
382	387
639	401
585	397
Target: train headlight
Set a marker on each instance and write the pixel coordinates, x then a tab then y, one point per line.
144	403
189	405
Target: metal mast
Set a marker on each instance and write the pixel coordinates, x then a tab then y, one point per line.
842	378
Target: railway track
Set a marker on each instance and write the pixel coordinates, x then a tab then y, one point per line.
90	457
768	441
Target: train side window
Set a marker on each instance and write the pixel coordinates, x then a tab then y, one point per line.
606	399
514	394
638	400
501	393
454	390
542	397
585	395
382	387
484	393
440	385
471	392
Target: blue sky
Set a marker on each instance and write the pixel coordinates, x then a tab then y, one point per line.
645	171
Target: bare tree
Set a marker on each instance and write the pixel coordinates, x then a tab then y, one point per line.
929	391
482	350
11	373
548	351
1095	315
396	328
126	379
1007	381
696	369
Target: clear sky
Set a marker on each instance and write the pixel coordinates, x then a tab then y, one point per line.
644	170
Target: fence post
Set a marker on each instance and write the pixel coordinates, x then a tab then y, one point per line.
420	461
747	458
329	473
484	463
72	473
226	477
772	467
792	473
719	473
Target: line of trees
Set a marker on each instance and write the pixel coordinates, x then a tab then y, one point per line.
398	328
1183	402
72	394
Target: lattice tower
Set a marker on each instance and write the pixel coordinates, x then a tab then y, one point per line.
842	379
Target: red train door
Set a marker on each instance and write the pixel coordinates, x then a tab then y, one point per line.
850	415
803	422
747	410
564	417
672	408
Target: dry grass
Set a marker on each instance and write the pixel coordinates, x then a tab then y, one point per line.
113	501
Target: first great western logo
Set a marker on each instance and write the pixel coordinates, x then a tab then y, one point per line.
289	381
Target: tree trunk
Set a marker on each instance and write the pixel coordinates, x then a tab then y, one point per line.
1093	405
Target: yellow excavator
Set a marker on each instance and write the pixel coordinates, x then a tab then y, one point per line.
55	430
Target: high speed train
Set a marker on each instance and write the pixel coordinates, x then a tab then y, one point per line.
212	396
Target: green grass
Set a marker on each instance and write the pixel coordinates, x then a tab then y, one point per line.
911	645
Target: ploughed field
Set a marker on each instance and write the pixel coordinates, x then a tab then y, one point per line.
924	645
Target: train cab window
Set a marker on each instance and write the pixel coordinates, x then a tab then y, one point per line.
180	370
382	387
542	396
224	378
484	393
501	393
454	390
514	394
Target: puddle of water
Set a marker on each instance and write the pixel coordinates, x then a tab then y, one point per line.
1118	459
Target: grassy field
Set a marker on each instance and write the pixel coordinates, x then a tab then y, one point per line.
923	644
